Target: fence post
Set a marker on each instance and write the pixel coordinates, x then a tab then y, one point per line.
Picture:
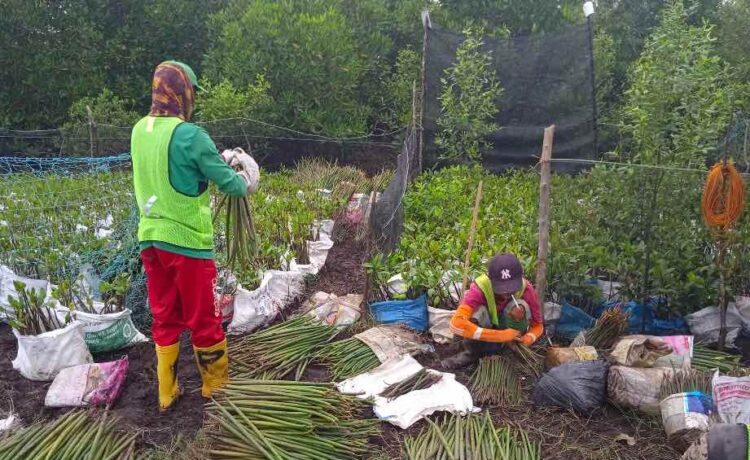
426	25
544	193
368	254
93	138
472	233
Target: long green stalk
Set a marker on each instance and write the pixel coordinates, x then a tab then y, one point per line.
348	358
239	228
705	359
303	420
531	360
284	349
77	435
419	381
472	437
495	382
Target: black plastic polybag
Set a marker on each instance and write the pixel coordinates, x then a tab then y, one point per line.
581	386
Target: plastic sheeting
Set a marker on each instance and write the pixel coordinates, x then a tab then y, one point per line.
411	313
581	386
445	395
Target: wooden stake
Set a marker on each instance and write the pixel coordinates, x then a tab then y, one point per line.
544	194
93	138
472	233
368	253
723	301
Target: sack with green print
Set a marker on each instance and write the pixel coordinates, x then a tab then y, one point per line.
109	331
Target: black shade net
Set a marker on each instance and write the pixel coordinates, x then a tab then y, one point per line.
547	79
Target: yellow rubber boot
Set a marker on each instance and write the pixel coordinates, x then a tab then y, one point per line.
166	372
213	364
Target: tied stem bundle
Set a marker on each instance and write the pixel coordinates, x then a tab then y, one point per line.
282	349
419	381
475	437
609	326
279	420
239	228
348	358
76	435
494	382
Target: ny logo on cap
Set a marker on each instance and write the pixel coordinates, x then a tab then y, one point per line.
505	274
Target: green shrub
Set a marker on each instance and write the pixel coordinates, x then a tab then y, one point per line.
306	50
107	109
397	89
468	102
223	100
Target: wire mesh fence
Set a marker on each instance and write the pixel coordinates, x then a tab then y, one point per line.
274	146
64	216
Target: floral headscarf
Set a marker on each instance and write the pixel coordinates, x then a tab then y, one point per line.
172	93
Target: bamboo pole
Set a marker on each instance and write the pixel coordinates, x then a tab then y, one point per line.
544	209
472	233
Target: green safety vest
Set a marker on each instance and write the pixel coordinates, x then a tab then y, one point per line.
166	215
504	322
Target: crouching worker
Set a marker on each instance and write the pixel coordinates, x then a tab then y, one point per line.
173	161
507	310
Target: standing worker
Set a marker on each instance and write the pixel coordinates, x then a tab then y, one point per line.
507	308
173	160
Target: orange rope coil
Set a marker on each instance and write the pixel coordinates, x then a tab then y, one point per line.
723	196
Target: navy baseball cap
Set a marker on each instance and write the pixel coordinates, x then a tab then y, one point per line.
506	273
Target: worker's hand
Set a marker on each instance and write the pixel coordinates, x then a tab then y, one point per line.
228	156
527	339
249	170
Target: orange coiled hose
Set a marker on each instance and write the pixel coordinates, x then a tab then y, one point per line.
723	196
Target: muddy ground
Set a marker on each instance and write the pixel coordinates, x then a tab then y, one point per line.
563	434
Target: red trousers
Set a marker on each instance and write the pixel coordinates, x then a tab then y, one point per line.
181	296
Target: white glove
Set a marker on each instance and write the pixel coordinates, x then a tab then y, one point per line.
228	156
249	169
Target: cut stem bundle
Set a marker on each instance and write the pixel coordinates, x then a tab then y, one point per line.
282	349
265	419
241	241
684	381
473	437
609	326
419	381
532	360
494	382
348	358
705	359
76	435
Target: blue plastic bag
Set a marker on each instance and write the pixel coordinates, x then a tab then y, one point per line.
642	319
412	313
572	321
